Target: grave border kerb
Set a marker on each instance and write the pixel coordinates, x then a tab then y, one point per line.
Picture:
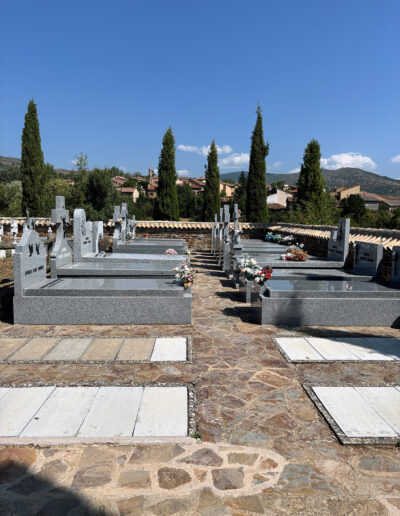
338	432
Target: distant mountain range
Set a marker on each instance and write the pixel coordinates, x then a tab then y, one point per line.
368	181
6	163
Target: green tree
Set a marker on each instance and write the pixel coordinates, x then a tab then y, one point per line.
101	196
353	206
186	200
77	194
13	198
239	197
211	199
313	205
167	199
33	172
311	184
256	202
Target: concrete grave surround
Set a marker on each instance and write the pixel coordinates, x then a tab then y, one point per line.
367	258
338	243
298	302
61	253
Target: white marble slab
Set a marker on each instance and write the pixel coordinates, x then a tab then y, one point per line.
62	414
163	412
18	406
331	349
169	349
386	401
386	346
3	391
352	413
69	349
361	348
297	348
113	412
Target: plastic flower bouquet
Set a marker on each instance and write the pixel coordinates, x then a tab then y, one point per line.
287	239
245	263
270	237
295	253
263	274
171	252
184	275
187	252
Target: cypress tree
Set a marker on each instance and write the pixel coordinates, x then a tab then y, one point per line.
239	196
167	207
311	184
212	198
33	171
256	202
313	203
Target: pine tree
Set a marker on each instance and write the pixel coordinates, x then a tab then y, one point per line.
212	198
167	207
313	203
33	172
256	202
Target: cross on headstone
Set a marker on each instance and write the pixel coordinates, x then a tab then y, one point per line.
14	231
236	231
60	217
61	253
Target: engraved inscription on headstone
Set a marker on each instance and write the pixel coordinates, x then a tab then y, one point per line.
367	258
82	235
29	262
338	244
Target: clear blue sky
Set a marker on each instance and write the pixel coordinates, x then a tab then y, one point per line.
109	77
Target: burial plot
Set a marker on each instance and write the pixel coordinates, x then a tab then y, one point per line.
122	244
102	300
85	248
340	302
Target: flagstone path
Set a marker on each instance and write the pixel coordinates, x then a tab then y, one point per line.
262	447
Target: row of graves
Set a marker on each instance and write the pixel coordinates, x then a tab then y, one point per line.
142	281
288	287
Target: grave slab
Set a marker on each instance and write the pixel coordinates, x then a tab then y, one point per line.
102	349
35	349
136	349
18	407
8	346
297	348
331	349
69	349
112	413
386	401
62	414
163	411
352	413
169	349
362	349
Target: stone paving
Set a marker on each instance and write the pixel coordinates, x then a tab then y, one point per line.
262	447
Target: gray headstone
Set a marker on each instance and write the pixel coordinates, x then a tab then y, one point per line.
83	242
61	253
338	244
131	226
97	233
395	274
236	232
14	230
29	222
29	262
367	258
